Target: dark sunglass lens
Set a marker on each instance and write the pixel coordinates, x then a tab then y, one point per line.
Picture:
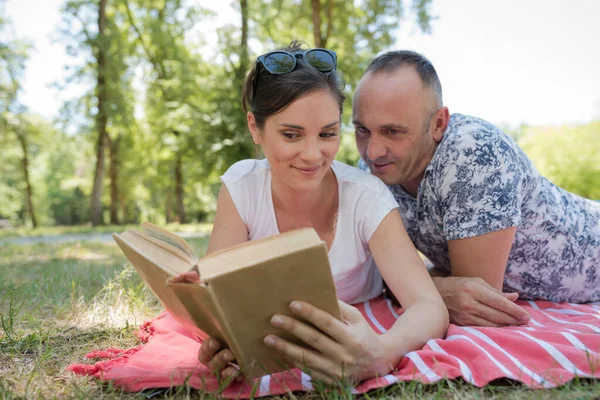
321	60
279	63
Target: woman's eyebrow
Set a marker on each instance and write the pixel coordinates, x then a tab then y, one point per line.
299	127
293	126
334	123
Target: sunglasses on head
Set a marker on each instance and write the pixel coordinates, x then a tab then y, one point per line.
281	62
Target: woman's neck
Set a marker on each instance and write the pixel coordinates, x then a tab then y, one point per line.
305	204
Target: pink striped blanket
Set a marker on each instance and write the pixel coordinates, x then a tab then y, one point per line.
561	341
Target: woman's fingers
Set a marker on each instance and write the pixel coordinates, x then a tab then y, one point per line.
302	357
208	348
210	355
186	277
316	374
232	372
309	335
324	321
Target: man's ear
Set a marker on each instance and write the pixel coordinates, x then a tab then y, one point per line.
253	128
440	122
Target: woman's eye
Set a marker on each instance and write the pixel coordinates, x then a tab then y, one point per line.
290	135
328	134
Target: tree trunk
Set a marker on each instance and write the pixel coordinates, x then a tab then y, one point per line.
168	207
179	189
114	179
320	39
29	190
243	67
316	20
101	119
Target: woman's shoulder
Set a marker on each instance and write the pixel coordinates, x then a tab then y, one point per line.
245	168
352	176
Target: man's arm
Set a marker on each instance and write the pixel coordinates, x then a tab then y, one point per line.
473	293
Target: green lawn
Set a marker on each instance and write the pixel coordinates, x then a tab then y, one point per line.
59	301
84	229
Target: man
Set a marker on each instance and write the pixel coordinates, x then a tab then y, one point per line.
471	200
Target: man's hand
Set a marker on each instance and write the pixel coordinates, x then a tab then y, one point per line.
472	301
347	351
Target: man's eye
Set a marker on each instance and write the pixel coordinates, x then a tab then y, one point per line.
393	132
361	130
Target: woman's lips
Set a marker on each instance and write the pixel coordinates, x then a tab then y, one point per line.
308	171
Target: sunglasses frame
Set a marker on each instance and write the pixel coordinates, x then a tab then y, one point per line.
261	60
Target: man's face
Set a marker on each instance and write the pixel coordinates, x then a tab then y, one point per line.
395	132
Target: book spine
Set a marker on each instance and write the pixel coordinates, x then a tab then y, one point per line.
234	346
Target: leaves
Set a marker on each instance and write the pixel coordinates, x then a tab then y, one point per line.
170	100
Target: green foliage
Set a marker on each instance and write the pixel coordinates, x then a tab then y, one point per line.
172	100
567	156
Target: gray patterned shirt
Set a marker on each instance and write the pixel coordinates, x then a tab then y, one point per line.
480	181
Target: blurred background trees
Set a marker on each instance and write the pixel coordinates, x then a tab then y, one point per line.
159	118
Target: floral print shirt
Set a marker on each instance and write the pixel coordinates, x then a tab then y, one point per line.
480	181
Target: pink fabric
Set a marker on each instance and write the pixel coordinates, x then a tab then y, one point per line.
562	341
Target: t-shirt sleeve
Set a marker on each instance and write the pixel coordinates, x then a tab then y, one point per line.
480	189
375	203
238	187
362	165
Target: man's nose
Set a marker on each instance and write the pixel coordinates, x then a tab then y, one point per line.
376	149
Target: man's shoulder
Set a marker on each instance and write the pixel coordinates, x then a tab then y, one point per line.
463	128
468	136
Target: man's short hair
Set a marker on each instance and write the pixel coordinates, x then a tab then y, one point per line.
394	60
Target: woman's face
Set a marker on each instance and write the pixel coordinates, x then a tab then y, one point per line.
301	141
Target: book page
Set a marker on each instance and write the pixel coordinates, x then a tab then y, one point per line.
256	251
155	275
154	254
178	246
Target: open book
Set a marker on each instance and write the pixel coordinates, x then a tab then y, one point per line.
241	287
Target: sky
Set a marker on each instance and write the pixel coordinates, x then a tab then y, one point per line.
507	61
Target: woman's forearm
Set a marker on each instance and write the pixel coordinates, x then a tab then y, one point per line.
422	321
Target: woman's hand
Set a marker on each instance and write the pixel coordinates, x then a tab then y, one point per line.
186	277
210	353
219	361
348	350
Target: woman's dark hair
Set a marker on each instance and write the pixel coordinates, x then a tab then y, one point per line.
275	92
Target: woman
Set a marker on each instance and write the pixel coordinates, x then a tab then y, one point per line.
293	102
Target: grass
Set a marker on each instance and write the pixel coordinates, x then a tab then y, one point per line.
85	229
59	301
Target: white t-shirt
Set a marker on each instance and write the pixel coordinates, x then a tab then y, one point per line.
364	201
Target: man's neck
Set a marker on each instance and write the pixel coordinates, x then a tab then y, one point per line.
412	187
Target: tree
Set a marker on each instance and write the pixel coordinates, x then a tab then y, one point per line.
95	31
13	54
567	156
174	94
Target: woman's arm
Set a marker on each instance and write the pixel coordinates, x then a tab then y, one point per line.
351	349
228	227
425	315
228	230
